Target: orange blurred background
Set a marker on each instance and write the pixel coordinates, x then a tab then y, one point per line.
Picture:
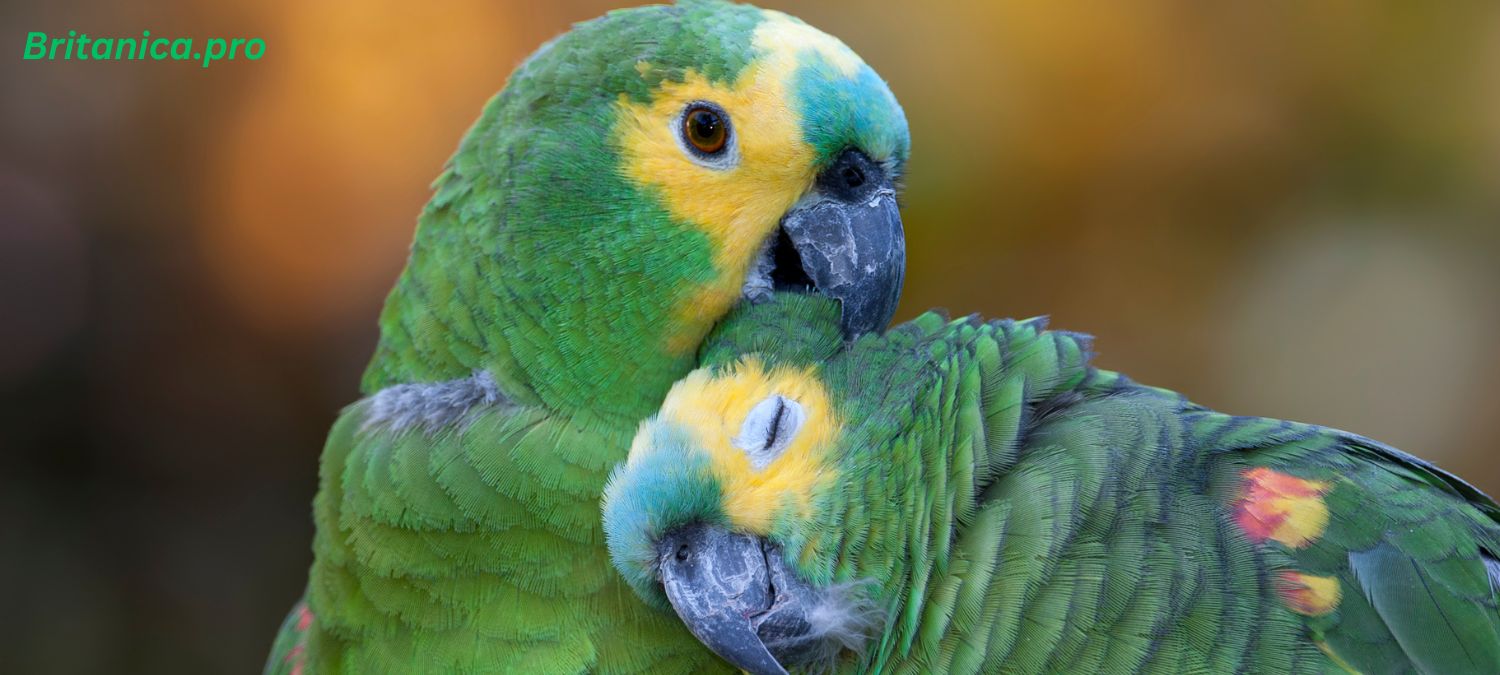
1281	208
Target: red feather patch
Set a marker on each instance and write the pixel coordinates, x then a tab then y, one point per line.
1281	507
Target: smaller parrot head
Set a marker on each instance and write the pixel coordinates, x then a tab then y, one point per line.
728	510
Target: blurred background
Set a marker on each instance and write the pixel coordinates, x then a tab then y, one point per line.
1280	208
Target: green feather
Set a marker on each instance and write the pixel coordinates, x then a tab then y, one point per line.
1021	511
543	273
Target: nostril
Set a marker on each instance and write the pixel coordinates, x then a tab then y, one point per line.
850	177
853	176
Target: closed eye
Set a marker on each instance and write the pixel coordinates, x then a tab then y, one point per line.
769	428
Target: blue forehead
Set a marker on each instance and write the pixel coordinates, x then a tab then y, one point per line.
840	112
666	488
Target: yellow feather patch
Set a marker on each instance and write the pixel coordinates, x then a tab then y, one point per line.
713	409
788	36
1308	594
1280	507
737	206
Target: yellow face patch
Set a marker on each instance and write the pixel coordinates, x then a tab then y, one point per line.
738	205
713	410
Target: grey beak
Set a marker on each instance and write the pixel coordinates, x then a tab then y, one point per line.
848	236
718	583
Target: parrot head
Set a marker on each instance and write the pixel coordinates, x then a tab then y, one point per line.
728	511
637	178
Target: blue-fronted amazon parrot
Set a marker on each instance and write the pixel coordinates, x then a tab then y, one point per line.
637	178
976	497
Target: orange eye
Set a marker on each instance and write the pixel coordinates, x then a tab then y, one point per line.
706	129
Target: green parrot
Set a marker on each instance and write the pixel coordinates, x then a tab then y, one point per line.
970	496
637	178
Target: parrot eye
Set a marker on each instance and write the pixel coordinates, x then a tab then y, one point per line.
705	130
705	135
769	429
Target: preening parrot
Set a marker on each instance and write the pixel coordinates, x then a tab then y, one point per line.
637	178
969	496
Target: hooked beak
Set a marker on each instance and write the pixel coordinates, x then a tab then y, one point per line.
736	595
843	240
